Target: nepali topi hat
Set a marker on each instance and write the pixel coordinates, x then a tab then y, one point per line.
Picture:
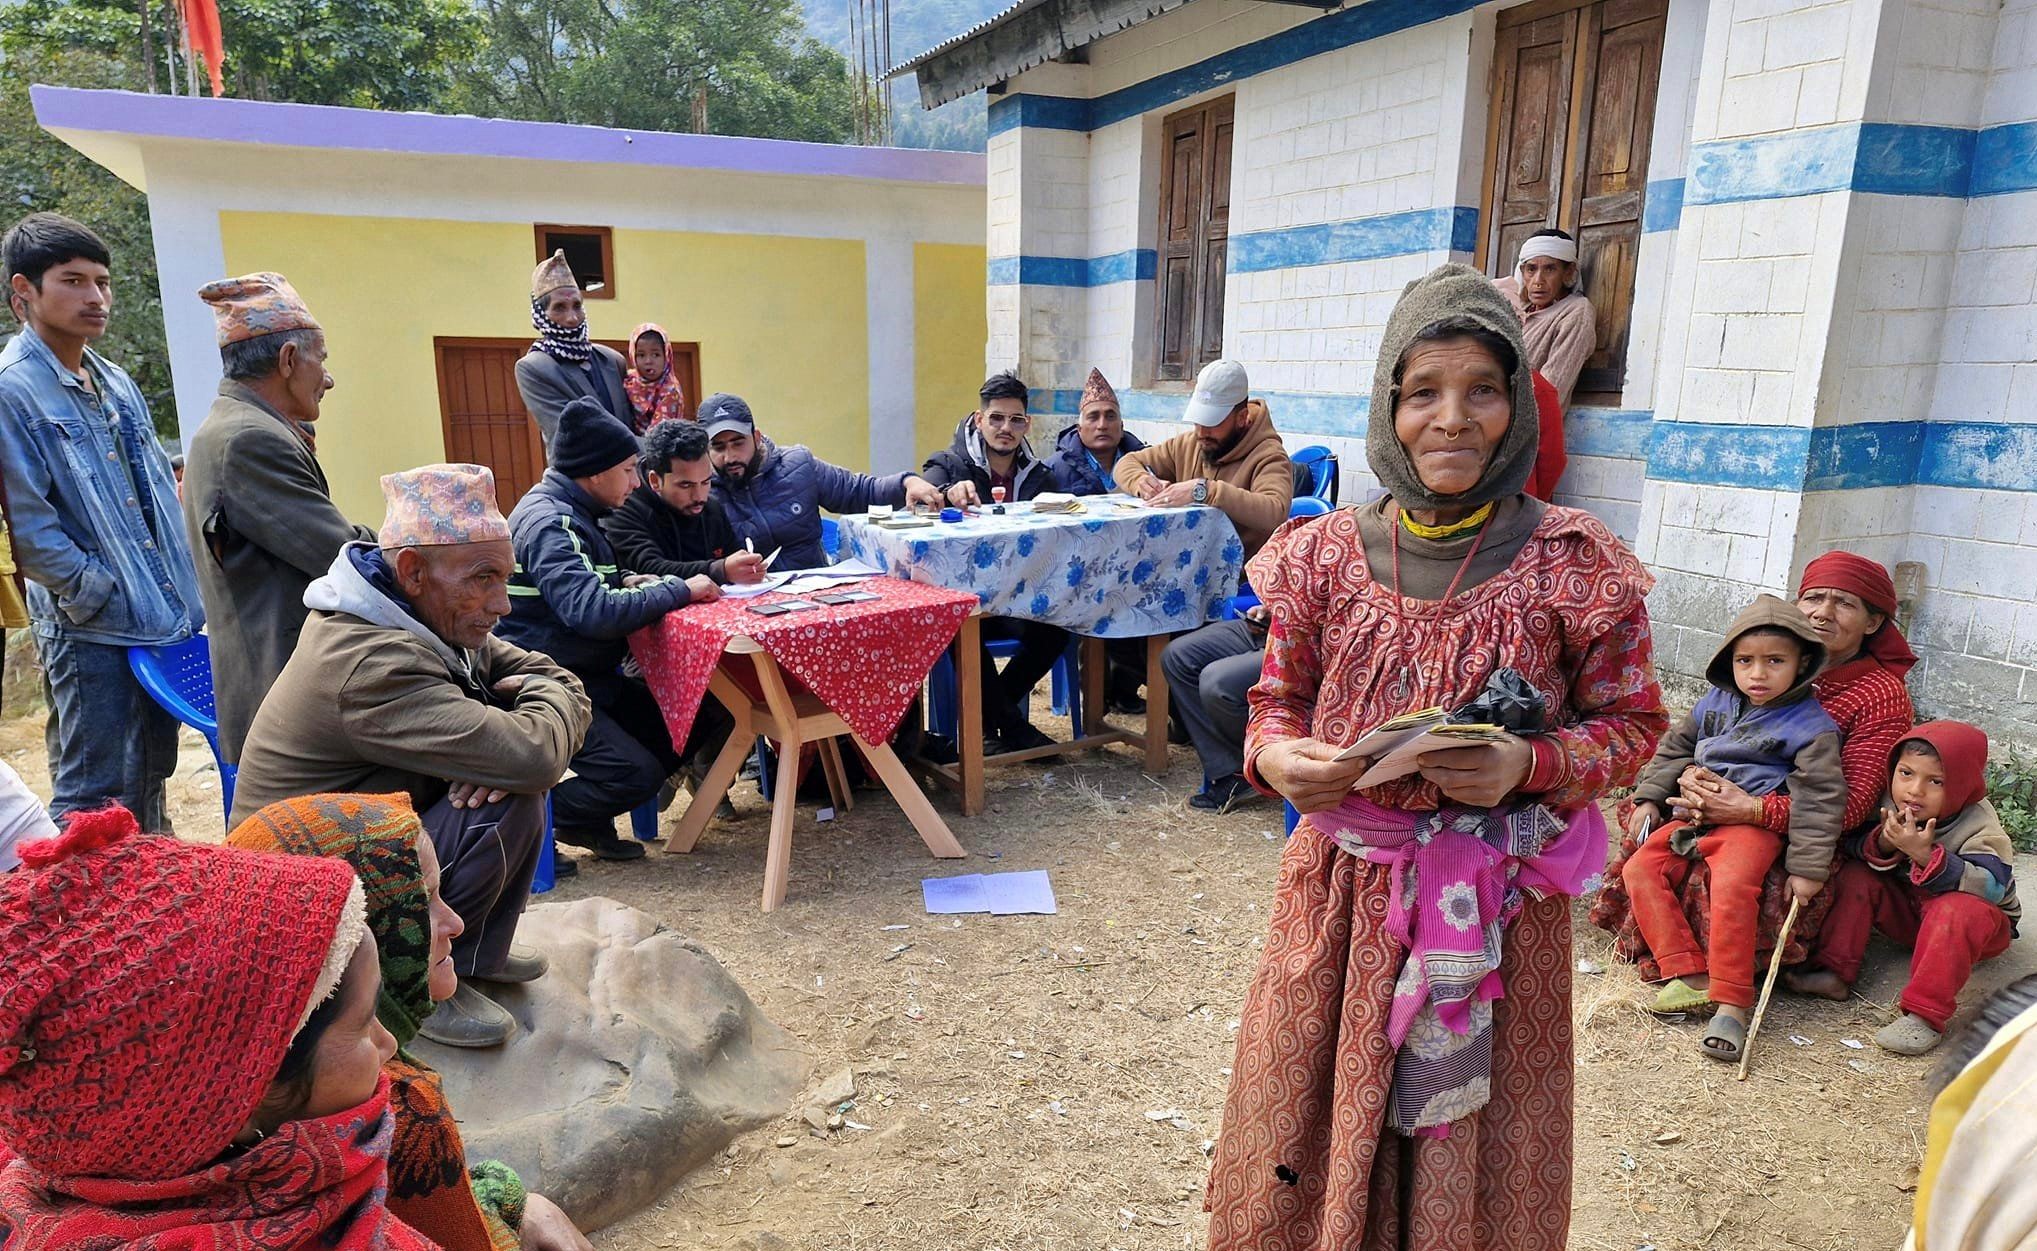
254	305
552	273
440	506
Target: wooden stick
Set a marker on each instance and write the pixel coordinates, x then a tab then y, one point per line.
1767	987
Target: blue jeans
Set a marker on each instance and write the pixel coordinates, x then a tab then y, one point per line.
107	740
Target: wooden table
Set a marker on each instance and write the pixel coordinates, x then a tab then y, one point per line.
965	776
793	718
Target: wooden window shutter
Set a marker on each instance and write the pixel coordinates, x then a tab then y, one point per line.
1195	223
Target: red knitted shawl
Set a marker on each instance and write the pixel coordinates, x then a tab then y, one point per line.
311	1184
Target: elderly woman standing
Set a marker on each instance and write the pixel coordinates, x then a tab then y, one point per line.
1403	1075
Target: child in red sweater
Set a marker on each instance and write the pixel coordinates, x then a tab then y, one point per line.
1935	875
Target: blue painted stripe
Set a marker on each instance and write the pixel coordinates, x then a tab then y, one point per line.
1663	208
1620	433
1044	400
1294	412
1869	454
1913	160
1770	458
1979	455
2005	160
1360	239
1137	264
1041	112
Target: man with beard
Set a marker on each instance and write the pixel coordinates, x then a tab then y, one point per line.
1231	459
670	524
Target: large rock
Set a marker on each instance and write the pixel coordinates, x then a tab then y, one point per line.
637	1059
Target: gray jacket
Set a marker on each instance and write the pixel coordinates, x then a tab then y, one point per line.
262	525
547	386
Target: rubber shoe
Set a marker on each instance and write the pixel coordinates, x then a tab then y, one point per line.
469	1019
1908	1035
523	965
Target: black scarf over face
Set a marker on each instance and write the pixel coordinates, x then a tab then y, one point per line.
569	346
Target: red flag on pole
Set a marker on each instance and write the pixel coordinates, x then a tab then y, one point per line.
201	28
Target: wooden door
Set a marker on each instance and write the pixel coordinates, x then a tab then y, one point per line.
483	417
1195	223
1573	115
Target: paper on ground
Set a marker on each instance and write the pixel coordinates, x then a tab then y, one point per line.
1000	894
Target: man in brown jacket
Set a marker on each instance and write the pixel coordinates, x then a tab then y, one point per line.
399	684
259	515
1233	460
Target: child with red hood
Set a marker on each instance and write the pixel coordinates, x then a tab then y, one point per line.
1934	875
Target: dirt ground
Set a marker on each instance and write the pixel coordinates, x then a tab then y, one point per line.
1011	1070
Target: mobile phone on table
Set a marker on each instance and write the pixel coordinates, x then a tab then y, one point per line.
796	605
844	597
767	610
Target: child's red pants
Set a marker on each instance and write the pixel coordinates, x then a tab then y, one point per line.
1739	856
1950	932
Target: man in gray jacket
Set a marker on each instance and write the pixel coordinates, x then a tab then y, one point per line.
564	365
257	509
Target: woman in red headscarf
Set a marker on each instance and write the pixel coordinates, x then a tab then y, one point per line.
1851	600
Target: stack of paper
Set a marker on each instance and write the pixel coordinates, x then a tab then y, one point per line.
1056	502
1000	894
1396	745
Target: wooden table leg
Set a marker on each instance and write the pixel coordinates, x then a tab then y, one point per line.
1156	706
720	776
1095	667
837	775
969	703
939	839
785	804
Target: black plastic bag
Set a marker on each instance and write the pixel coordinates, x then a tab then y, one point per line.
1508	702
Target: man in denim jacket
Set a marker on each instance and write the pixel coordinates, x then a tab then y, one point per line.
97	528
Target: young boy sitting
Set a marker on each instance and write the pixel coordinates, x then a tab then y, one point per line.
1760	728
1934	875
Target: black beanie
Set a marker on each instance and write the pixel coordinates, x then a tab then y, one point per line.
590	440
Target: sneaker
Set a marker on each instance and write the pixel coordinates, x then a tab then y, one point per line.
1224	794
469	1019
523	965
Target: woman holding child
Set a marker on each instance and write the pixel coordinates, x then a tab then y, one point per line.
1404	1067
1850	602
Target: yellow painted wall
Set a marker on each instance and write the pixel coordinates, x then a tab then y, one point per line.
949	329
780	321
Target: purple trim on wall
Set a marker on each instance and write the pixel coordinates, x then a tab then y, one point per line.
433	134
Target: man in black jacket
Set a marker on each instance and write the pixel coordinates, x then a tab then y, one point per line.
670	525
990	452
569	599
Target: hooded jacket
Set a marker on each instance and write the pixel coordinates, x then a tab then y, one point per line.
566	598
777	504
965	460
1076	472
1253	483
1973	853
1789	744
373	701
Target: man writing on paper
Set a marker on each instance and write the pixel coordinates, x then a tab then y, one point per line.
670	524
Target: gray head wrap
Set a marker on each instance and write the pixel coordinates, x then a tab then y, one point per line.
1452	291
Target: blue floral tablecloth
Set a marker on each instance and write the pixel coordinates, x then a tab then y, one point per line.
1107	572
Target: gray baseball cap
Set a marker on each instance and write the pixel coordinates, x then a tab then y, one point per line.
1219	388
722	411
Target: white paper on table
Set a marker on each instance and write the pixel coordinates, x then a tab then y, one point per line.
744	590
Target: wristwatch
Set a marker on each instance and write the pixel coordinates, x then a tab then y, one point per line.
1201	492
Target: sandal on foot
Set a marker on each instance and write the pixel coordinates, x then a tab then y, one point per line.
1678	997
1908	1035
1725	1038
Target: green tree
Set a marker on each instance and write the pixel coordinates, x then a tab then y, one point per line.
644	65
41	173
386	54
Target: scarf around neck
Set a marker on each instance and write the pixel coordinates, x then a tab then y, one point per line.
570	346
312	1183
662	399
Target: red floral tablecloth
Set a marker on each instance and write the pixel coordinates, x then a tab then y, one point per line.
866	661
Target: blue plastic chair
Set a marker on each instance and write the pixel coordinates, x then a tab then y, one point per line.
178	676
1322	466
643	822
942	710
831	538
1293	818
1301	506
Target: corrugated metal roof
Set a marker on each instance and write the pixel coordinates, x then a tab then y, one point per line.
1029	33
